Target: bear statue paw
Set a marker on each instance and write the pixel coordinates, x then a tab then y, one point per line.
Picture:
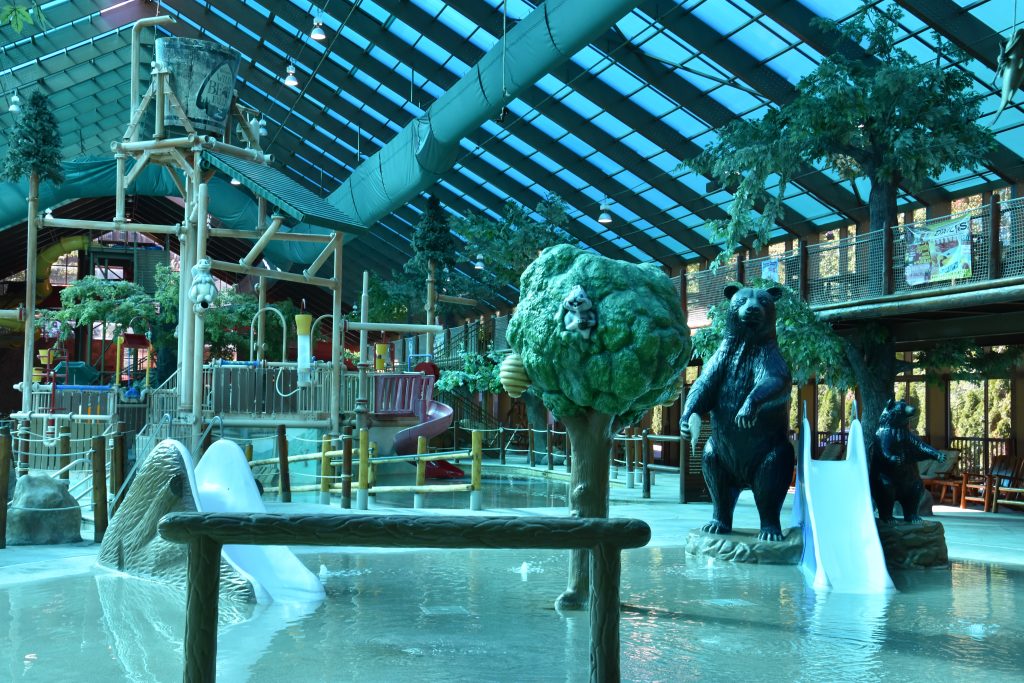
716	527
913	519
770	534
571	600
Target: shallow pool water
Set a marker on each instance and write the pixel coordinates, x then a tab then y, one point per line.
486	615
497	492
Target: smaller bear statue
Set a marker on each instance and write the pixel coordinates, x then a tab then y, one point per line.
893	459
746	387
577	313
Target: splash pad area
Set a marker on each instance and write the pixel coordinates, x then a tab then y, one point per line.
487	615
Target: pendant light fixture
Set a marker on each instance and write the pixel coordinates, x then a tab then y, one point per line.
318	28
604	217
15	103
289	78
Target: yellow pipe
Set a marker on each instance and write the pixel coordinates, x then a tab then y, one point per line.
364	459
477	452
117	360
48	256
421	464
325	468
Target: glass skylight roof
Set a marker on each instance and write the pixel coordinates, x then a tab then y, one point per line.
612	123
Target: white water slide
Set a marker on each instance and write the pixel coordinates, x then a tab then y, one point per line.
842	552
223	482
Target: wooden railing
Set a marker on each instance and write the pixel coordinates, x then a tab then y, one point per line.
206	534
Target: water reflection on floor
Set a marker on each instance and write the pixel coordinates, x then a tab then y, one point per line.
486	615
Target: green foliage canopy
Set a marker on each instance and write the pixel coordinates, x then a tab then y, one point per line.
885	117
634	355
507	246
35	145
479	373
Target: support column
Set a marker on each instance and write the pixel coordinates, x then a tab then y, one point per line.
187	242
198	322
261	330
336	340
430	305
32	244
362	400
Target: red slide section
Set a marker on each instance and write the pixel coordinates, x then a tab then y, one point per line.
438	419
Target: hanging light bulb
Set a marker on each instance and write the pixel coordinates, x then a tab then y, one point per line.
289	78
15	103
604	216
263	127
479	264
236	181
318	29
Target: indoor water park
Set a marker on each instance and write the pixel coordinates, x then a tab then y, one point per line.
429	340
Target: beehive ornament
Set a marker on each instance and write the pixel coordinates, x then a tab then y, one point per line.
513	375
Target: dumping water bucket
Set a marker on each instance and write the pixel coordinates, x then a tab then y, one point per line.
202	77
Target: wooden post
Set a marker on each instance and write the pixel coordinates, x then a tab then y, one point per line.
346	468
284	478
201	610
5	478
529	443
605	572
325	470
995	265
741	268
64	451
419	499
501	444
248	452
99	487
629	449
550	453
645	452
477	451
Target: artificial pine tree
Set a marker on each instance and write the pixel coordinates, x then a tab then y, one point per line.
35	144
432	241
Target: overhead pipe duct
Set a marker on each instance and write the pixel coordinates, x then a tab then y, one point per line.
429	146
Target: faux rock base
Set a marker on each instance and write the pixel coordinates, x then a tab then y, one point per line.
132	543
43	512
742	545
914	546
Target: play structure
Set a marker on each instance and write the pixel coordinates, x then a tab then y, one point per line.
192	151
832	505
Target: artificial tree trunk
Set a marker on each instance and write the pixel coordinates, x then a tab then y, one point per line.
882	204
872	356
537	420
591	434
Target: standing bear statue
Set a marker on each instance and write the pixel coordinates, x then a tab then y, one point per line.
746	387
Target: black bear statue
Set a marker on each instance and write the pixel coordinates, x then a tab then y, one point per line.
894	474
746	387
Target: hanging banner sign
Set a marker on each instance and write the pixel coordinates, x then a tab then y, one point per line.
770	269
939	251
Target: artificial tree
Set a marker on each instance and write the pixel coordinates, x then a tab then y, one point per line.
884	117
602	341
34	150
